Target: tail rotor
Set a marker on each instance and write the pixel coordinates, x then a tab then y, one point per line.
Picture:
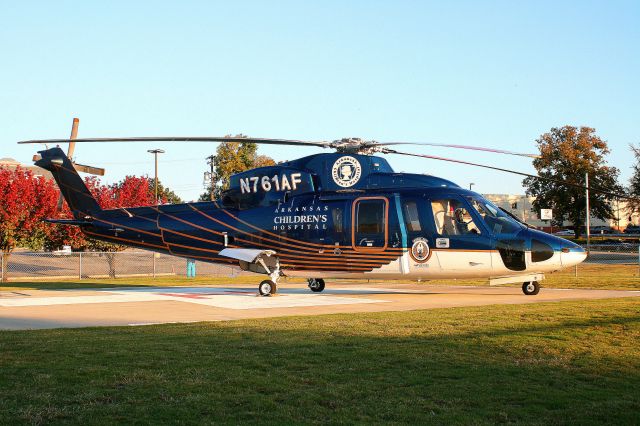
79	167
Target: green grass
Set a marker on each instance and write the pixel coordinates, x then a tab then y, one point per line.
590	276
569	362
596	276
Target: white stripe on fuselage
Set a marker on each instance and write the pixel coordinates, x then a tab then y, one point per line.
446	264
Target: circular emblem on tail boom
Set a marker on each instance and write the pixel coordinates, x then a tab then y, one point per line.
346	171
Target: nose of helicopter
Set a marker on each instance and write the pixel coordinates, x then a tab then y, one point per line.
571	254
557	250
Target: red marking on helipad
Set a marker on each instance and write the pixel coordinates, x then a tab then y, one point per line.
186	296
204	295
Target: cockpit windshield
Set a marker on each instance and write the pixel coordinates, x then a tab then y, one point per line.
496	220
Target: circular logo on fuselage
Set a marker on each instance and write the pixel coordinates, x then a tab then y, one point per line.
346	171
420	251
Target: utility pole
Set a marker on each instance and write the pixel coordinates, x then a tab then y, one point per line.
588	221
211	161
155	153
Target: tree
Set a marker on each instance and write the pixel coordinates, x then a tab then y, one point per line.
566	154
25	200
132	191
633	205
64	235
166	195
232	158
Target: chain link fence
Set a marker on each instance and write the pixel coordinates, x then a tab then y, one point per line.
22	266
617	259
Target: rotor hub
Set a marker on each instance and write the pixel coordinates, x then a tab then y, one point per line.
355	146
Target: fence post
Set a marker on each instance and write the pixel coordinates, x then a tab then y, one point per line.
153	255
576	270
1	267
639	260
79	265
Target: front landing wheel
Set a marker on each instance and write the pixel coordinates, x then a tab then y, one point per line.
316	285
531	288
267	288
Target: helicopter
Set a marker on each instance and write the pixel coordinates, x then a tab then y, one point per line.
335	215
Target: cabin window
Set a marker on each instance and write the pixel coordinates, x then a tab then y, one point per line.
540	251
369	220
371	216
411	217
452	218
337	215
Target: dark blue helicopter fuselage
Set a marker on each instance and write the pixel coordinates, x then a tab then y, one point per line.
340	215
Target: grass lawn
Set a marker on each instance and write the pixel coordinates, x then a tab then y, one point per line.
624	277
594	276
569	362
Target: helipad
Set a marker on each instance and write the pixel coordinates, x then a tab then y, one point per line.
27	309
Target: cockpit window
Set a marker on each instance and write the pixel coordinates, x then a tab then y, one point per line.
496	220
452	218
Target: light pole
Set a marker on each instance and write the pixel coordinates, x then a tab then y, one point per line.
155	153
588	221
470	185
211	161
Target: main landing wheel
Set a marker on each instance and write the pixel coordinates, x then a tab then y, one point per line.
267	288
316	284
530	288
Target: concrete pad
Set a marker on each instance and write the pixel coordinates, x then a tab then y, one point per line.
34	309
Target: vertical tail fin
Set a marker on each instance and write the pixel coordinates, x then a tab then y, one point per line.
71	185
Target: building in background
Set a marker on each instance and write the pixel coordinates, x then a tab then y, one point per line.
10	163
521	206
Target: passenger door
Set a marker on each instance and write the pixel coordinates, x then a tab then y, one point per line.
370	224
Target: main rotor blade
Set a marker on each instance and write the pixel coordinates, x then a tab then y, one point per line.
471	147
500	169
322	144
267	141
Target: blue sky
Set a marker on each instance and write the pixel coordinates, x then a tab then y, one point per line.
490	73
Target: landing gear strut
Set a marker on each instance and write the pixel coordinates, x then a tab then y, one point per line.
269	287
316	284
530	288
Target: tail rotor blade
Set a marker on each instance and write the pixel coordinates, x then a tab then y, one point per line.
72	147
74	136
98	171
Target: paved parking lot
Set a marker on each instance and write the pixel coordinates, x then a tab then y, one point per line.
31	309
